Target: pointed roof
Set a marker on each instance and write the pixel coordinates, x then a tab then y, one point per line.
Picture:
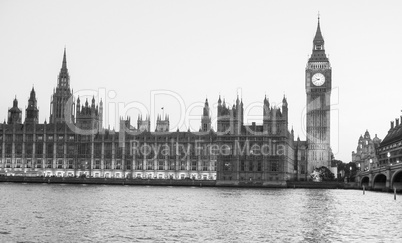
64	65
15	106
318	39
32	94
318	54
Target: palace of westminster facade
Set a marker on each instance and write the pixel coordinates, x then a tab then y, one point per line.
74	142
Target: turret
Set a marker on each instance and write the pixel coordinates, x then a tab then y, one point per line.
162	125
32	112
206	119
143	125
14	113
284	107
78	108
93	102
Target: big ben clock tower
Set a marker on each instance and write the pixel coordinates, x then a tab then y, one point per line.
318	90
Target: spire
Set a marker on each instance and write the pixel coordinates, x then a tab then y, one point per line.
318	54
15	102
64	64
219	100
32	95
64	77
318	39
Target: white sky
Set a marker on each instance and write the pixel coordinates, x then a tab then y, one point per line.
199	49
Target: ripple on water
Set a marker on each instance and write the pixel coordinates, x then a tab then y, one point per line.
75	213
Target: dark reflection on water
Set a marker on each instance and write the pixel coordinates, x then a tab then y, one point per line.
85	213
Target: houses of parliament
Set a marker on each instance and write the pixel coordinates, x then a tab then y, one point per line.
74	142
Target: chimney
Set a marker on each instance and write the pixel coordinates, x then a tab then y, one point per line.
392	124
396	122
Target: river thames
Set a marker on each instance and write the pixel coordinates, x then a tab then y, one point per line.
93	213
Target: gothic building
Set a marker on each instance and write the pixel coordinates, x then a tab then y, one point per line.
75	143
390	149
365	156
318	89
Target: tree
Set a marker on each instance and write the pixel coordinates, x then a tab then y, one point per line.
322	174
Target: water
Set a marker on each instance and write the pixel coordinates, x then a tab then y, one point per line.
87	213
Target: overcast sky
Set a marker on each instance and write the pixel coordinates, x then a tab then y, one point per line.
131	51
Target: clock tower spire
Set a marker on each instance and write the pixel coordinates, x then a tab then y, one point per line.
318	81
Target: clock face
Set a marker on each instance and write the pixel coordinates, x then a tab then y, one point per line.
318	79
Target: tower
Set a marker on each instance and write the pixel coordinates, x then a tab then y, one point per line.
162	124
230	120
89	117
206	119
14	113
32	112
62	97
143	125
318	90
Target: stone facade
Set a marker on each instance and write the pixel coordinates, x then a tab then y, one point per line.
365	156
75	143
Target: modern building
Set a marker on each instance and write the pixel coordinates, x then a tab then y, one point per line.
75	142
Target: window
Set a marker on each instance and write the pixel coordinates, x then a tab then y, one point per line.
274	166
138	165
194	165
39	148
150	165
49	150
18	148
213	165
204	166
71	164
71	149
49	163
9	149
8	163
118	164
128	164
39	163
60	150
259	165
172	165
29	163
29	149
183	165
108	164
97	164
60	164
19	163
161	165
251	166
